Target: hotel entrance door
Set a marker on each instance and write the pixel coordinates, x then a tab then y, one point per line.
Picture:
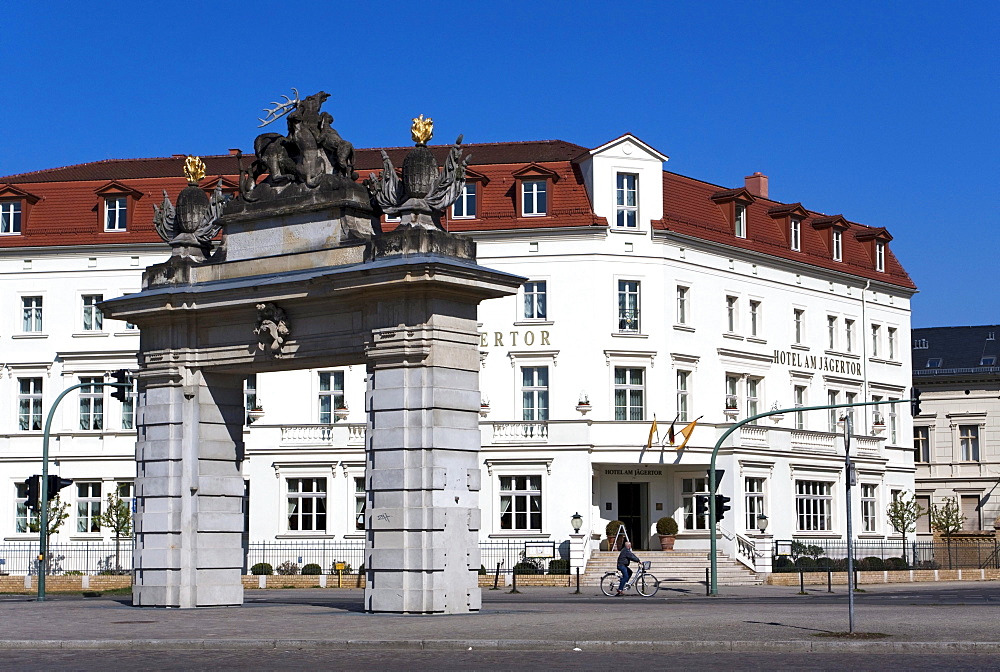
632	507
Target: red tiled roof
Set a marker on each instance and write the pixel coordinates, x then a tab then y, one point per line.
69	210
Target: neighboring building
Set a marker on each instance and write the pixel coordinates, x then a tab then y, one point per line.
648	294
956	437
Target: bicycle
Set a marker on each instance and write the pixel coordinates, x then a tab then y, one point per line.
645	583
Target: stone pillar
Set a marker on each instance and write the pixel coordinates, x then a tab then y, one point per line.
763	550
189	489
577	553
422	549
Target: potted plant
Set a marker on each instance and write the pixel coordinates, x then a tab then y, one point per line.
583	404
341	412
666	529
614	542
256	412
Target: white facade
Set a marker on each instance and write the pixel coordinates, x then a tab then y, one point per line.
661	320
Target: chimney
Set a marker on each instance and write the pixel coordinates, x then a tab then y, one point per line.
233	152
756	184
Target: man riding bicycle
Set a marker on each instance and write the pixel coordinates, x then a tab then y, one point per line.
624	558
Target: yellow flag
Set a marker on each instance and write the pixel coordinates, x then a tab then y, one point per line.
652	430
687	431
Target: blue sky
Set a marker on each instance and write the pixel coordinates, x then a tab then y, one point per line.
885	112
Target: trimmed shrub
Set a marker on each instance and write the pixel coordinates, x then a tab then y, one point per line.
871	564
262	568
666	525
525	567
73	572
896	564
559	566
782	563
312	569
825	563
288	568
805	563
611	529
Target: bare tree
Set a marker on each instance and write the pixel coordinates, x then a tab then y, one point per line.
947	519
903	514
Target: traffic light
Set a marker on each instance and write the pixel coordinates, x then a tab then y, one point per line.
122	385
700	505
56	484
721	506
914	402
33	486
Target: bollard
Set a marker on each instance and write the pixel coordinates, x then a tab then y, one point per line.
513	580
802	582
577	581
855	577
708	583
829	580
496	579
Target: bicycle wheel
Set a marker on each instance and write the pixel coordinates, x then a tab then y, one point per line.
647	585
609	583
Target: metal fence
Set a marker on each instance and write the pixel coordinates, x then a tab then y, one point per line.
510	553
887	554
83	557
322	552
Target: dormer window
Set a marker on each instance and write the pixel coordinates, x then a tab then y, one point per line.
627	201
838	245
837	225
534	198
988	360
875	242
795	233
934	363
740	221
465	206
115	213
10	218
880	256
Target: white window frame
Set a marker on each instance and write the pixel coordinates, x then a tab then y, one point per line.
869	508
880	256
23	516
890	333
360	500
968	441
29	403
629	391
921	444
627	209
833	414
831	332
813	506
799	401
683	379
115	213
315	517
88	506
534	198
732	314
92	403
10	218
331	398
893	420
533	290
848	335
128	407
740	220
838	245
732	392
522	501
91	313
795	234
535	393
691	487
755	317
465	206
755	395
249	397
798	323
628	319
31	314
683	304
876	342
753	488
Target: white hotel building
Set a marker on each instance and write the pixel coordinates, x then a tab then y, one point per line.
647	294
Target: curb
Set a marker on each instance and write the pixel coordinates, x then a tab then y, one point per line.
718	646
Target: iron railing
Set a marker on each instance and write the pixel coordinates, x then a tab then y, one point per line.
323	552
887	554
84	557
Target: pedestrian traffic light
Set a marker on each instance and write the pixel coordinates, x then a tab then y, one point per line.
914	402
56	484
721	506
700	505
122	385
33	486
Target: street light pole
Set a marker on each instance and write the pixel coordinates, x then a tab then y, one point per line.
849	477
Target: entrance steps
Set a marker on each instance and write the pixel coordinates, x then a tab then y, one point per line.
674	566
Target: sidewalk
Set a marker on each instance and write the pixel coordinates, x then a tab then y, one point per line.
956	618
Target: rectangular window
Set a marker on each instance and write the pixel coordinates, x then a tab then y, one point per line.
465	206
799	397
741	221
753	396
879	256
892	420
31	314
627	201
128	408
535	393
924	521
813	506
683	395
731	303
629	393
126	492
851	398
115	210
682	304
10	218
29	404
838	245
535	300
533	198
795	234
831	332
876	339
331	395
359	502
88	507
970	509
921	444
306	504
798	317
849	335
93	319
628	306
754	501
521	503
23	516
832	398
92	403
250	397
868	507
968	437
891	336
690	488
732	393
754	318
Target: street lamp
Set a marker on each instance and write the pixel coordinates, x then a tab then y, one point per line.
761	522
577	521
